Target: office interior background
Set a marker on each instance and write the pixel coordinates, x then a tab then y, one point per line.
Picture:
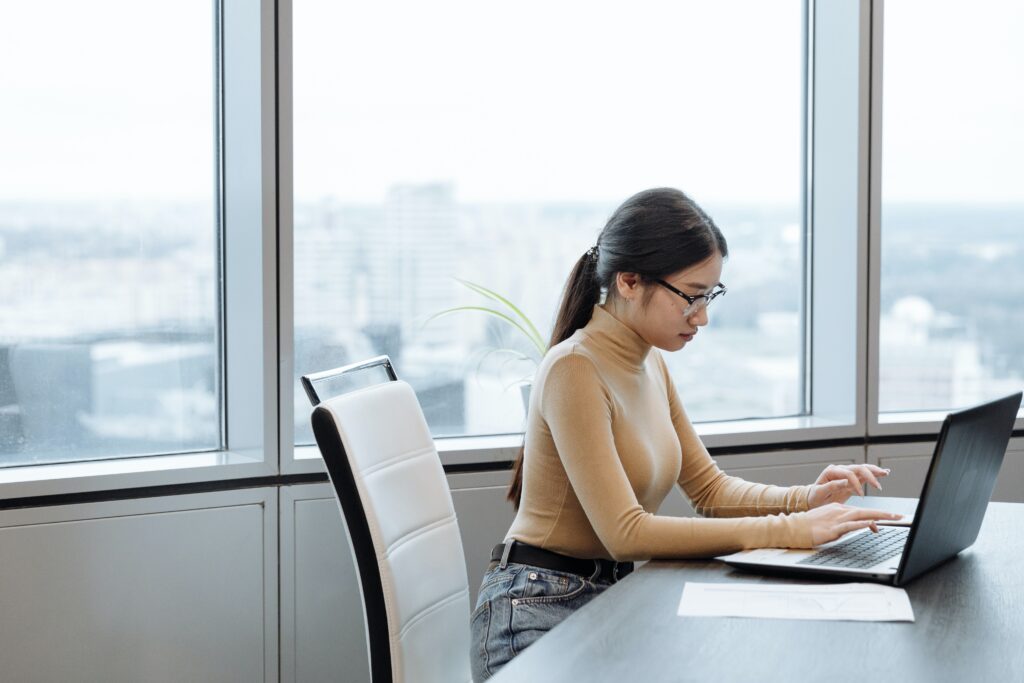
202	201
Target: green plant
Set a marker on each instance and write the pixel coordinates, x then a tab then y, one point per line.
508	313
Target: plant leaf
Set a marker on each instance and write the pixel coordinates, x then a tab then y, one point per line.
490	311
515	355
533	335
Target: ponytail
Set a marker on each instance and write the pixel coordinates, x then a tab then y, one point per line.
582	293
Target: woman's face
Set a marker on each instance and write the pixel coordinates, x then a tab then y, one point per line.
662	323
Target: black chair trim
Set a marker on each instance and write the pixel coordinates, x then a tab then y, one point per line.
339	470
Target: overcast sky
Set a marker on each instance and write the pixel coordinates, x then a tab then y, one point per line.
534	101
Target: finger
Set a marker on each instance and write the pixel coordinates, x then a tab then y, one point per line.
844	528
856	513
879	471
866	474
854	482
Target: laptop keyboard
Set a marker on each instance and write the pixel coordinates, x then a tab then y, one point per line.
865	550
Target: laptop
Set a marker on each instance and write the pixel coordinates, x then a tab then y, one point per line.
952	505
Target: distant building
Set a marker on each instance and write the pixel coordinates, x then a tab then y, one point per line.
412	259
930	360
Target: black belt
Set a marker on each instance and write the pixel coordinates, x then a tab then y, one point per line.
521	553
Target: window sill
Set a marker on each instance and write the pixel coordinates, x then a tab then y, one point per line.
26	481
502	448
921	423
773	432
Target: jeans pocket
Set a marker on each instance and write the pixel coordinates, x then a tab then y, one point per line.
533	584
540	600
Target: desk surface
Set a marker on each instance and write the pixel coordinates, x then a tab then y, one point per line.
969	625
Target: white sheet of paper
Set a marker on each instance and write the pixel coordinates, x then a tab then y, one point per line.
834	602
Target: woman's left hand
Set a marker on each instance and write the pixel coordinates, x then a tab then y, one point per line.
838	482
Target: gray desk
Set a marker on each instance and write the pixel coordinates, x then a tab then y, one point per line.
969	627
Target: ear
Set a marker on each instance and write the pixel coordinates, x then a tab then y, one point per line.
627	285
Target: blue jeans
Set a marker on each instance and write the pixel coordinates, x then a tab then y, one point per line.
517	605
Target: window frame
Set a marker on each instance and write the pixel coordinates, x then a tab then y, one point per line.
839	178
923	423
250	256
834	402
245	137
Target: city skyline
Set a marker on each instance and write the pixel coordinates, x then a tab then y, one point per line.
157	328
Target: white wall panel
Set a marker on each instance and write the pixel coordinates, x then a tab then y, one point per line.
323	632
789	468
166	589
909	463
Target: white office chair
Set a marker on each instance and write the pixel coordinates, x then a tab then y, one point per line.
395	501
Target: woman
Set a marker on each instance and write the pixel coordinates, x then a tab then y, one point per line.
607	437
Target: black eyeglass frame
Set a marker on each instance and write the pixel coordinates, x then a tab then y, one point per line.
691	301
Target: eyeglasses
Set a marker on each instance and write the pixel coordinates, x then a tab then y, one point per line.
695	303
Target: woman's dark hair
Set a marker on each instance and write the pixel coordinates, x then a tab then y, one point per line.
655	233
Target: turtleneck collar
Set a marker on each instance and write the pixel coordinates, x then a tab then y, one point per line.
617	339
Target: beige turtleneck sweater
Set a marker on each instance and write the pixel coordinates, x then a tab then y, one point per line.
607	437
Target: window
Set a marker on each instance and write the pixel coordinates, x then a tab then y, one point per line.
951	324
462	140
108	231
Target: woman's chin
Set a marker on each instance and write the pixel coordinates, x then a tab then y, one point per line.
680	342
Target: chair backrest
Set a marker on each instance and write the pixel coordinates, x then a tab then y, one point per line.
401	522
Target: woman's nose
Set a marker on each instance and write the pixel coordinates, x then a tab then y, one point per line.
699	318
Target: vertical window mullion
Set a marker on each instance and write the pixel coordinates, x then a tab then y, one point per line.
250	230
840	90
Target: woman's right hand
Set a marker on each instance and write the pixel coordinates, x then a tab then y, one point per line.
831	521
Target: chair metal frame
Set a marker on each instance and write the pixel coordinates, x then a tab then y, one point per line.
309	380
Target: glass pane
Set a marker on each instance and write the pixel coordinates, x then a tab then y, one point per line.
107	230
952	325
460	140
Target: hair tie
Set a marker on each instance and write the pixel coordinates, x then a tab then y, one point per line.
594	253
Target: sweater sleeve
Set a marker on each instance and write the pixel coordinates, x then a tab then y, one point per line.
577	407
716	494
